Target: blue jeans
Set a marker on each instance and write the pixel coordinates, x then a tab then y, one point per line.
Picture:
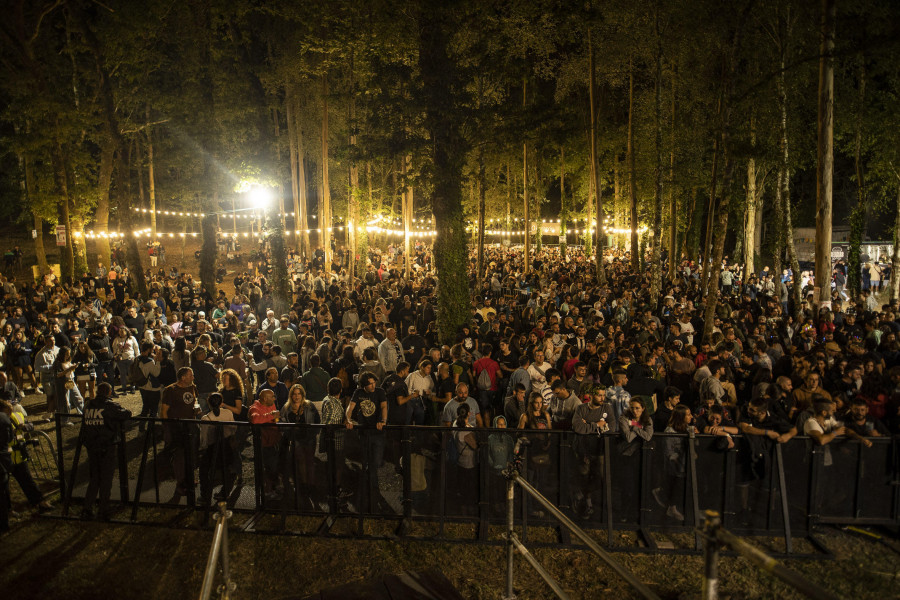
418	412
68	400
124	366
106	373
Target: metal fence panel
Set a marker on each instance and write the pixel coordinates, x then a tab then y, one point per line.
413	473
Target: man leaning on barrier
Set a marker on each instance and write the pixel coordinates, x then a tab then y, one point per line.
589	421
179	401
368	409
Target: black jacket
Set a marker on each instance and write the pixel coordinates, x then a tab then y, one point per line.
101	426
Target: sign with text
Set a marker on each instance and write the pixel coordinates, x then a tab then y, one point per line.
60	235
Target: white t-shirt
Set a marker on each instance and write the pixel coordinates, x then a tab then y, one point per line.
812	425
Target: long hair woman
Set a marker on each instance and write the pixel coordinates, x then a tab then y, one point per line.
300	411
464	474
676	447
86	371
233	393
64	378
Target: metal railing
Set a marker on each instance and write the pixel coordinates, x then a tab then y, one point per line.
405	474
218	551
717	537
42	461
513	542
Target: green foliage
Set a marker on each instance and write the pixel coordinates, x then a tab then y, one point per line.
209	81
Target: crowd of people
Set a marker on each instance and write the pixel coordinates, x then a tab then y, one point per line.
544	347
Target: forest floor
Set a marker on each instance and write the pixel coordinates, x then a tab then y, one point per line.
45	557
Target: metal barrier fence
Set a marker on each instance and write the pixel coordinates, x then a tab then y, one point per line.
404	475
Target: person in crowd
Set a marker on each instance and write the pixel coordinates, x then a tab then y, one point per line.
180	403
616	395
670	495
487	380
462	397
277	387
299	410
265	414
125	350
563	403
464	474
421	385
86	371
635	423
101	431
591	418
44	361
150	360
863	425
64	379
218	456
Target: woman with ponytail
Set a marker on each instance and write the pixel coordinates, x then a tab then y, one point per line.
217	454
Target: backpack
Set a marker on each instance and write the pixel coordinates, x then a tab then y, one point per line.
452	449
136	376
484	382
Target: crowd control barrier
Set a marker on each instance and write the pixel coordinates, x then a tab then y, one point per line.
406	477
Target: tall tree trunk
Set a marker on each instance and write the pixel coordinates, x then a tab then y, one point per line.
510	186
325	208
395	189
107	102
525	187
596	184
303	204
292	157
136	276
655	266
355	229
618	215
31	198
151	177
142	196
407	217
67	264
752	207
858	216
673	218
712	298
780	227
895	259
792	252
279	279
101	214
39	251
632	172
440	85
687	247
825	155
479	267
563	206
711	210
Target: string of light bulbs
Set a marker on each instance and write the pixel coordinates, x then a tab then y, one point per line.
234	215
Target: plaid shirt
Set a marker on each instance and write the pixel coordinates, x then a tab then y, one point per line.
618	399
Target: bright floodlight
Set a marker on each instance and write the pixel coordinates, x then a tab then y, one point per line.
260	197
